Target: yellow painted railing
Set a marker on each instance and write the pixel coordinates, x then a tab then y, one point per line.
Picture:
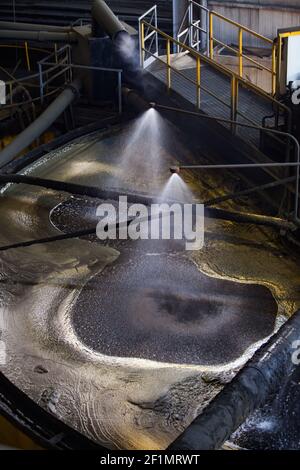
239	51
31	83
27	50
236	81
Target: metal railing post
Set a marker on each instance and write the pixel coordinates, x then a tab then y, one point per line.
234	102
207	32
156	26
194	41
211	35
241	52
168	64
190	26
198	82
70	62
41	83
27	56
297	151
287	135
55	52
142	44
274	72
120	91
11	92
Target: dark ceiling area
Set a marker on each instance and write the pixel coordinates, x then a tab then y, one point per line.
64	13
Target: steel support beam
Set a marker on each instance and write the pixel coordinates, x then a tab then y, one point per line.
179	9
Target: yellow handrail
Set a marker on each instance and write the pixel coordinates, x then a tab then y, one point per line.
169	63
27	56
242	29
236	79
19	46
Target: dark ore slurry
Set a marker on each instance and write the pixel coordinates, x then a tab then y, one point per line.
161	307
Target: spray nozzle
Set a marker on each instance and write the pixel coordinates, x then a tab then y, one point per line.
175	170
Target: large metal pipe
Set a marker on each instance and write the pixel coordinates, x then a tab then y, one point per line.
106	19
125	46
45	36
9	25
253	385
179	10
41	124
204	16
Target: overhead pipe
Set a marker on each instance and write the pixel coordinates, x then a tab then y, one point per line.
41	124
40	36
9	25
106	19
125	46
261	377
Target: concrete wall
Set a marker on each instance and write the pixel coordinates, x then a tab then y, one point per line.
263	16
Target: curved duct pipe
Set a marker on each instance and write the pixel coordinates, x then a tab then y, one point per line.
106	19
9	25
39	36
125	45
253	385
41	124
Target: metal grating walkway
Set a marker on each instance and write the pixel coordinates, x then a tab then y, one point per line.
254	107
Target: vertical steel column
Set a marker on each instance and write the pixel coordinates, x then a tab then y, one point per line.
168	64
204	25
179	9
